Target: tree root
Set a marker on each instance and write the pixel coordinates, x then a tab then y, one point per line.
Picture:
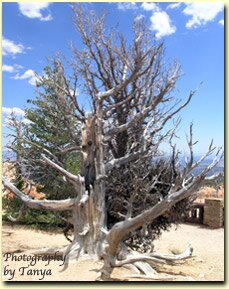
158	277
134	259
71	253
149	278
132	268
186	254
145	268
143	264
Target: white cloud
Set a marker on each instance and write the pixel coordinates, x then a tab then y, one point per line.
161	23
33	80
149	6
34	10
126	5
221	22
28	74
16	110
7	68
202	12
139	17
18	66
26	121
11	48
11	68
174	5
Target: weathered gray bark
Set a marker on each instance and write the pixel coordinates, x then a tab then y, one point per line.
39	204
88	208
89	213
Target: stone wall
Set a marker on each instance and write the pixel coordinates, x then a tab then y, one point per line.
214	212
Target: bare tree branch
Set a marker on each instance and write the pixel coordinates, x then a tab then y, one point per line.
121	229
75	179
40	204
126	159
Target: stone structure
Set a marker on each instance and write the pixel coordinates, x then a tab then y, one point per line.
214	212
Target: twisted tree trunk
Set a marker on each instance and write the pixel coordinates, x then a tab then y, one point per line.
89	212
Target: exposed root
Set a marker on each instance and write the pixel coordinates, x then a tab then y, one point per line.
186	254
158	277
138	258
134	257
145	268
143	263
132	268
71	253
150	278
105	273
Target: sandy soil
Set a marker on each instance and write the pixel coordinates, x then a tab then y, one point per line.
207	263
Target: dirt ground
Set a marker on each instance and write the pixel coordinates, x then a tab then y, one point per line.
207	263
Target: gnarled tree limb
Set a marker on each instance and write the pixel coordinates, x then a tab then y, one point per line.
40	204
126	159
121	229
75	179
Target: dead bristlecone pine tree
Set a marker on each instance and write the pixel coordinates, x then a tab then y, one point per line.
130	88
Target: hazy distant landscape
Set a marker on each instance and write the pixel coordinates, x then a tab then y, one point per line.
10	156
217	169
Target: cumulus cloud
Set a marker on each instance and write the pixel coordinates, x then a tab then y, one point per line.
221	22
11	68
35	10
174	5
33	80
161	23
16	110
202	12
149	6
7	68
9	47
160	20
28	74
126	5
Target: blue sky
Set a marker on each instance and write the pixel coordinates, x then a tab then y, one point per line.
193	33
